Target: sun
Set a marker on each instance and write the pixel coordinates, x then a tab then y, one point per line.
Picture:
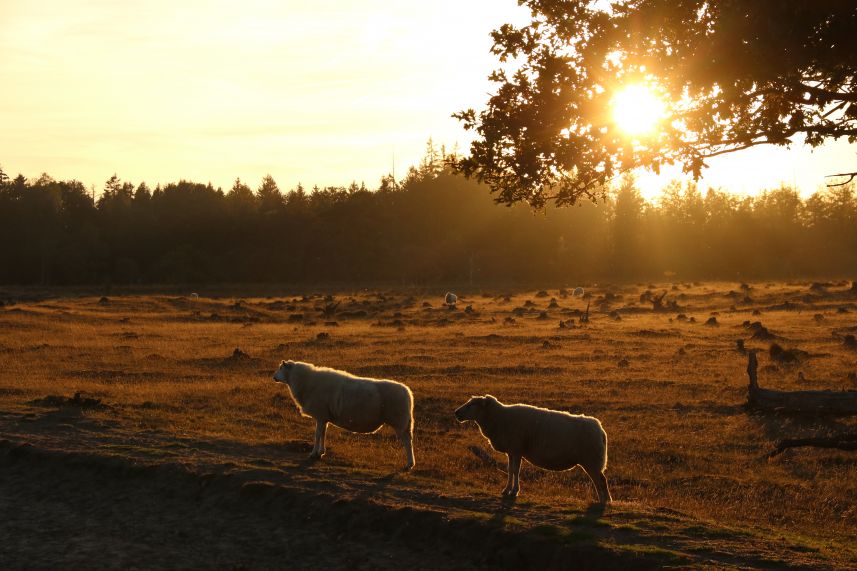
637	110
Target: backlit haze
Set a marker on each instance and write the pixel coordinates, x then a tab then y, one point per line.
323	92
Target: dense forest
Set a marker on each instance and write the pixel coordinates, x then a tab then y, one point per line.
430	227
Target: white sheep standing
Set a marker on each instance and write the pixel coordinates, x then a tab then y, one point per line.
578	292
354	403
549	439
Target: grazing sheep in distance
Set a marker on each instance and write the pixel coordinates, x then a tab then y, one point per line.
451	299
354	403
578	292
549	439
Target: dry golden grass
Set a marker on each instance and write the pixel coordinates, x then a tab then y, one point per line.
669	392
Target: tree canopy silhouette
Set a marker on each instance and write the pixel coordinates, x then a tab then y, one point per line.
431	227
732	74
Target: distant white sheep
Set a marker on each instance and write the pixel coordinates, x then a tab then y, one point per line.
194	296
354	403
451	299
549	439
578	292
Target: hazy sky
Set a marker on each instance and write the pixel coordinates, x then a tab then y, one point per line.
322	92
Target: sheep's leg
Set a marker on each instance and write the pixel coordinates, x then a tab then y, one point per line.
508	475
603	491
407	437
515	465
513	472
320	431
600	481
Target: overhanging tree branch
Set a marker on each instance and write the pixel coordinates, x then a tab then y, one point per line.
851	176
736	75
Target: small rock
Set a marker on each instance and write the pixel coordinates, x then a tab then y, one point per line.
786	356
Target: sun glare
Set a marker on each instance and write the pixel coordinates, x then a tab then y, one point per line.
636	110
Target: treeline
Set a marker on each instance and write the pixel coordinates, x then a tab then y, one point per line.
431	227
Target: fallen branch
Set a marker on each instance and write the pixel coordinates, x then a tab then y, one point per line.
814	402
841	442
486	458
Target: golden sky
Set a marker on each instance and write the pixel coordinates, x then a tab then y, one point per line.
319	92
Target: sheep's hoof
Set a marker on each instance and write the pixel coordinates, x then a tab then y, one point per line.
316	455
508	498
408	467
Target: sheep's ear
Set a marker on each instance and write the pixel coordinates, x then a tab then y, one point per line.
491	399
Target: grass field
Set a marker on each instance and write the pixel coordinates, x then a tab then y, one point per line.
688	465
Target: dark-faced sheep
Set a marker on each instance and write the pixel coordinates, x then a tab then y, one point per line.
354	403
549	439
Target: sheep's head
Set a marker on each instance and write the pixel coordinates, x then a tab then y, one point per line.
475	408
282	374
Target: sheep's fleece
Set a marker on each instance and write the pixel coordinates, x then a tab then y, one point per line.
354	403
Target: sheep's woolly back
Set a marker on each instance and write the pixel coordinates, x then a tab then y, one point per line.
304	369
